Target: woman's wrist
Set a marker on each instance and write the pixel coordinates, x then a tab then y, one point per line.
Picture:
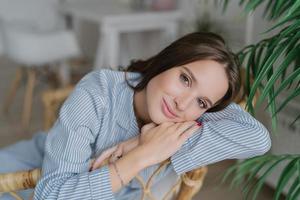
123	170
144	157
140	157
130	144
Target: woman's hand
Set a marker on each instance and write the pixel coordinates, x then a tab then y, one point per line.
158	143
114	153
151	137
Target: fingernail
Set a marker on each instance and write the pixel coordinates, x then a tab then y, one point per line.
199	124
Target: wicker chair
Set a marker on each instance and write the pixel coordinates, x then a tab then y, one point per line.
184	189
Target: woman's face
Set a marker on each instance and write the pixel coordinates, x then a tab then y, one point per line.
182	93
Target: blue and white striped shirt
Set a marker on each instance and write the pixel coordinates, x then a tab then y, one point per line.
99	114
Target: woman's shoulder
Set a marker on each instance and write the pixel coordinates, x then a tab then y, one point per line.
106	77
105	83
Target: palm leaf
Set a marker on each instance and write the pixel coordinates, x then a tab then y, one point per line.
250	172
243	168
237	166
268	8
252	175
298	117
296	193
261	167
294	76
285	176
281	44
278	72
290	97
277	5
283	22
292	189
284	8
225	4
293	9
272	109
262	178
266	67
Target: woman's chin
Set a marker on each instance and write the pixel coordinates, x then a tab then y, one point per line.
160	120
156	119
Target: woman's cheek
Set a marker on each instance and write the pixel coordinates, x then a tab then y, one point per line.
194	114
173	88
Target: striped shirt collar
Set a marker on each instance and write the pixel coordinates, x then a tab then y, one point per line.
126	107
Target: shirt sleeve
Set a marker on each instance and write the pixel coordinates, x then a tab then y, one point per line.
68	149
228	134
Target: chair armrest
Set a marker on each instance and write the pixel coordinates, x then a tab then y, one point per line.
52	100
21	180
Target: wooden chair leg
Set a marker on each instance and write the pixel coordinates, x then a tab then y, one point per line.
13	90
191	183
64	74
46	98
31	75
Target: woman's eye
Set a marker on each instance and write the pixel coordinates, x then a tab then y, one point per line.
185	79
202	103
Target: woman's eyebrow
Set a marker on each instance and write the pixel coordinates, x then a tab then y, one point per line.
195	80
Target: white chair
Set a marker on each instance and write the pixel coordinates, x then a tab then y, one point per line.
34	36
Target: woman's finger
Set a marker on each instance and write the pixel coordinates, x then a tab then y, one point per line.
183	127
116	154
188	133
106	154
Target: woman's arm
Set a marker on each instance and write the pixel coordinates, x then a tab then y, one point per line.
228	134
68	148
231	133
114	153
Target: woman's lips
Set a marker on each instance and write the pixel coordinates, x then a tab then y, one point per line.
167	111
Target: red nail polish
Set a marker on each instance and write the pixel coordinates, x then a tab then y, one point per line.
199	123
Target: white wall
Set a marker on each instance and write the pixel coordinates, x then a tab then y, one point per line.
1	45
142	45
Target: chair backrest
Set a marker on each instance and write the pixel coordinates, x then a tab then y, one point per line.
42	14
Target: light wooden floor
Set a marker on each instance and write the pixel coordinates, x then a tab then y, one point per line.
11	131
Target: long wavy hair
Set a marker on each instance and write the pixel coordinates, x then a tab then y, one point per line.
192	47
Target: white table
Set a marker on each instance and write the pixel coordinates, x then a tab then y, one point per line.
114	18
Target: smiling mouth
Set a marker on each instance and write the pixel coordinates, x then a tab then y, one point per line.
166	110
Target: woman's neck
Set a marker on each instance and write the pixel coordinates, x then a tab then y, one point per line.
140	108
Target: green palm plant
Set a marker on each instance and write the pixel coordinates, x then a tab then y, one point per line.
274	64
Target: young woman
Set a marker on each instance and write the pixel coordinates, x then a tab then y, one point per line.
177	104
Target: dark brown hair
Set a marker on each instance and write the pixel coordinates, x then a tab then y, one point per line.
192	47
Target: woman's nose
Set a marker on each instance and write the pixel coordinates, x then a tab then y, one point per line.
182	103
